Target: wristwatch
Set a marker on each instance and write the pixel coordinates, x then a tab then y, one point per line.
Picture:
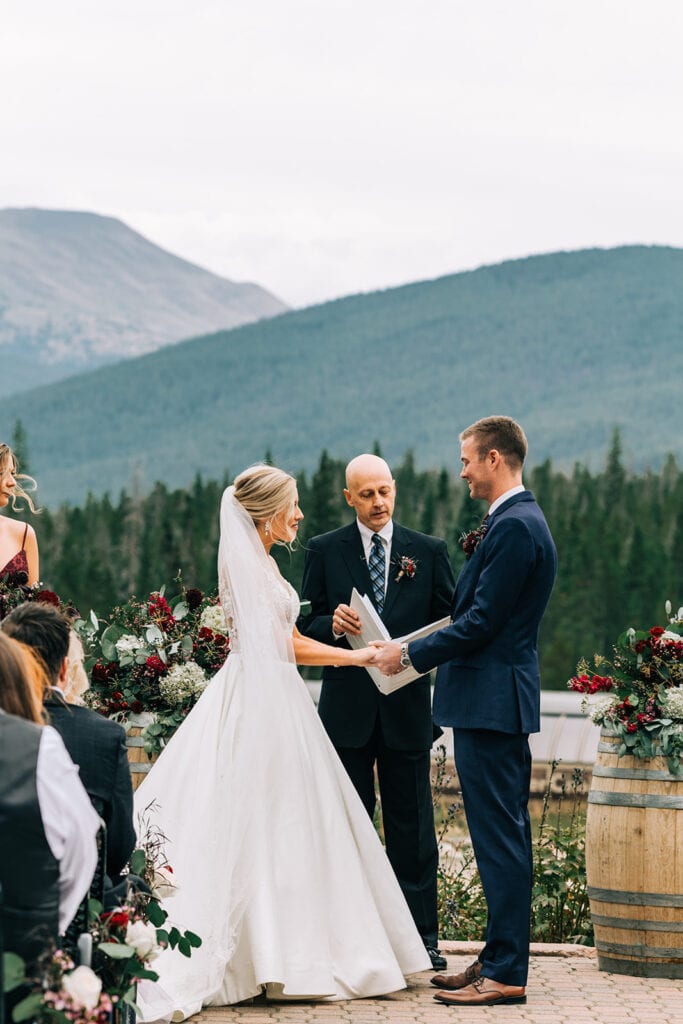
405	657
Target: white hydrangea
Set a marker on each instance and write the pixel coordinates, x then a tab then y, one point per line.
129	644
213	618
673	705
182	681
599	708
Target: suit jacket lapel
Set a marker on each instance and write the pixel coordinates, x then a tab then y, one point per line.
354	556
400	545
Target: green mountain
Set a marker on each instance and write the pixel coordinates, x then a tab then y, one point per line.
572	344
78	290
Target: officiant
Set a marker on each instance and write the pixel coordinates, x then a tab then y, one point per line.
409	579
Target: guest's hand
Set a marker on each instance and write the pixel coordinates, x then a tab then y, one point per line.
345	620
387	657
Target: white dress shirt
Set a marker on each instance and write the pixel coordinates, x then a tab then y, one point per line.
385	534
504	497
69	820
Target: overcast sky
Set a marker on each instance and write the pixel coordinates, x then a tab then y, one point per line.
322	147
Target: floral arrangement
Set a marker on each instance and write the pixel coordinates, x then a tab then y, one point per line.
406	566
118	949
14	590
471	541
639	693
156	656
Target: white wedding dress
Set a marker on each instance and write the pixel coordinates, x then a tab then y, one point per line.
280	870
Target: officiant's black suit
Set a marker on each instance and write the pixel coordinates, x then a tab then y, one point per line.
395	731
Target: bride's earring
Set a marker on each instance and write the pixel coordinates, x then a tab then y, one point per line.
266	528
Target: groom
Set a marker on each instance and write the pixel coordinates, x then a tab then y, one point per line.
488	689
409	578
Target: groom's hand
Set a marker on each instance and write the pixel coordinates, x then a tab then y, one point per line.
345	620
387	657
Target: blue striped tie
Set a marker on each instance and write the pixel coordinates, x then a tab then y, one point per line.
376	565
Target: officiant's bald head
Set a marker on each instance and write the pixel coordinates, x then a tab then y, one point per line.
370	490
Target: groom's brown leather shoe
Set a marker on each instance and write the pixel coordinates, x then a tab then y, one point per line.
455	981
483	992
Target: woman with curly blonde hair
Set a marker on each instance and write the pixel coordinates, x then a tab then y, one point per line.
18	544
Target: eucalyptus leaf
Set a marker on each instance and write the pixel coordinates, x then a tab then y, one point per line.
14	971
28	1007
138	862
154	635
180	611
116	950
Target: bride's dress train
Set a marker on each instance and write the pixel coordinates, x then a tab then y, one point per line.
280	870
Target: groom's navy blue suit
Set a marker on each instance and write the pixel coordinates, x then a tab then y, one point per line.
488	690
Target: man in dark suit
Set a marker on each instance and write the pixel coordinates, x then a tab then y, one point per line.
409	578
488	689
95	744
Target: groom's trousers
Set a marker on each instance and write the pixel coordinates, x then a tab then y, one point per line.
494	770
407	819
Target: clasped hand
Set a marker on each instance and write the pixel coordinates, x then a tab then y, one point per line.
384	655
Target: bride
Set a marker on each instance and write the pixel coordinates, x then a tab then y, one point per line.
280	870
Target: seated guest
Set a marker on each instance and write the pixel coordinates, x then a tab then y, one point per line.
96	744
48	851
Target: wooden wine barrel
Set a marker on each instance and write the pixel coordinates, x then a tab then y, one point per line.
140	762
634	863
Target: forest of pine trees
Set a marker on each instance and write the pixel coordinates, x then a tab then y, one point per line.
619	538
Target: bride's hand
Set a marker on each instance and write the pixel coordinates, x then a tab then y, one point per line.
364	656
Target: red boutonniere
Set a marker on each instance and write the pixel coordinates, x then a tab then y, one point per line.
471	541
406	566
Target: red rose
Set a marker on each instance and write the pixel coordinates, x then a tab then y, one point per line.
580	684
154	665
205	633
632	727
117	695
657	630
137	707
116	918
194	598
49	597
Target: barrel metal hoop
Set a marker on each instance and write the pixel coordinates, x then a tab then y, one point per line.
640	968
662	952
635	773
607	748
671	803
635	899
633	924
135	741
139	768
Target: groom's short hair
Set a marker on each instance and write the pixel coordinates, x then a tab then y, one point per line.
501	433
43	628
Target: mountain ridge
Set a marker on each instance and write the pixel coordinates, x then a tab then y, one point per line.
79	289
572	344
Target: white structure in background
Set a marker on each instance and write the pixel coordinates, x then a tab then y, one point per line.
566	734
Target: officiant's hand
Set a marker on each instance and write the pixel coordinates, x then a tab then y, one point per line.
387	657
345	620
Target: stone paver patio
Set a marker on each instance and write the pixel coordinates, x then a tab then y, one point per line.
565	987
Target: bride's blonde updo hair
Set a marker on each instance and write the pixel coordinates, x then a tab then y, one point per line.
8	460
264	492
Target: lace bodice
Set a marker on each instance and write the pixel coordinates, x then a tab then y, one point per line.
286	605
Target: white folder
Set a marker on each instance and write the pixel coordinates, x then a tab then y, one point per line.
372	628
